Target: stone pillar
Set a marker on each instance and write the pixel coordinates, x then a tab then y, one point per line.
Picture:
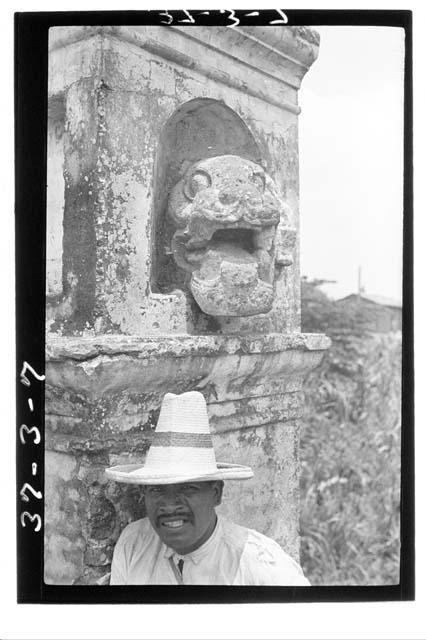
153	125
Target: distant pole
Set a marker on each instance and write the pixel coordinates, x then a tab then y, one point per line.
359	282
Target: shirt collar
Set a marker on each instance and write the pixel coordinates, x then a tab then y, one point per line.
201	552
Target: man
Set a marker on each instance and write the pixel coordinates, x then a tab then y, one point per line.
182	540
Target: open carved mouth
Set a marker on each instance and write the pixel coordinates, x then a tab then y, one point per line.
234	275
226	235
232	271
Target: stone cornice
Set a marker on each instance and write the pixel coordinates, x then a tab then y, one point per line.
237	366
282	39
281	55
180	346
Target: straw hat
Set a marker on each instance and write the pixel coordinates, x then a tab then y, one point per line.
182	448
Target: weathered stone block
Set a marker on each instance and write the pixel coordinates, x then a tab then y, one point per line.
269	501
173	172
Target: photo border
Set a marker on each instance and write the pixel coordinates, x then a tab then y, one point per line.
31	75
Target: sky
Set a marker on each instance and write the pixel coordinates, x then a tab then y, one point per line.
351	160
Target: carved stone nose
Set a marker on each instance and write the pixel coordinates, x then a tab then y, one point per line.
228	196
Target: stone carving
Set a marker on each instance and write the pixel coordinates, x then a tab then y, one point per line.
231	233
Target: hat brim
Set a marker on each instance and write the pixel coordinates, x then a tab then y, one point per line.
127	473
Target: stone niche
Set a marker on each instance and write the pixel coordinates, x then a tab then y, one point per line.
172	264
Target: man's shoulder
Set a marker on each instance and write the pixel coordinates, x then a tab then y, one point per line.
256	543
135	530
263	560
133	541
260	545
255	539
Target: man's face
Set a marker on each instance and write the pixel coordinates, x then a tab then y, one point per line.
183	514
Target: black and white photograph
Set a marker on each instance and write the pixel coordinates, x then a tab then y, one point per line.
224	311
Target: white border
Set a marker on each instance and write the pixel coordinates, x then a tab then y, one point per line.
347	620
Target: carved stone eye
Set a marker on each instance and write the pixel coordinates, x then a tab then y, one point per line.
196	182
259	180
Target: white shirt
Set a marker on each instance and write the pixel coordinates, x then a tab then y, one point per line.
233	555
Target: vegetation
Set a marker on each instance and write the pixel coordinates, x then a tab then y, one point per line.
350	451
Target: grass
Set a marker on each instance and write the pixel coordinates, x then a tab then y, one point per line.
350	457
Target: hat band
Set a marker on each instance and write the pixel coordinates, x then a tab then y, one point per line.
176	439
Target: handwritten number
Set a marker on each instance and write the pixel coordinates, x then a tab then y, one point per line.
27	367
32	517
23	428
28	487
190	18
284	19
231	16
168	15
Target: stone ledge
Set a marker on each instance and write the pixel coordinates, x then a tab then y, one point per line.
180	346
233	366
283	54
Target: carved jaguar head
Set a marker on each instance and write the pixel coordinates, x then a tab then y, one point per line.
231	231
